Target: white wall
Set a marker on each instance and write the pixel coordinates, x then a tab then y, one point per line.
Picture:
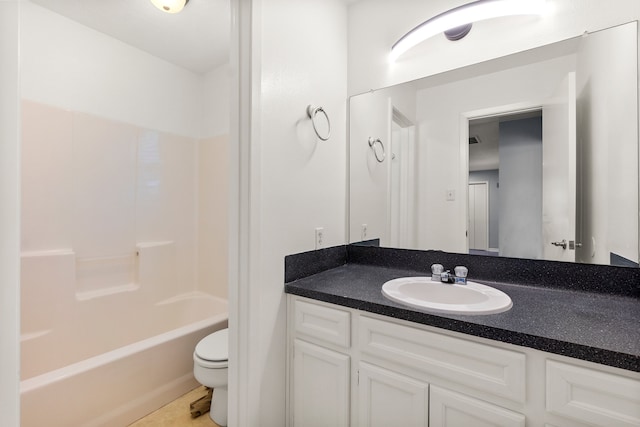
216	111
9	215
298	182
369	49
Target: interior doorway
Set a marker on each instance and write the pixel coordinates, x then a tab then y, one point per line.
504	208
401	180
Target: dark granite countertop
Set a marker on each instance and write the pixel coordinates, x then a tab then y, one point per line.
592	326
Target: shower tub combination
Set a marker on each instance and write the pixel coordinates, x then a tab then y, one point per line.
108	356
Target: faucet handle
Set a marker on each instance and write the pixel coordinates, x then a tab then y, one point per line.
461	274
436	272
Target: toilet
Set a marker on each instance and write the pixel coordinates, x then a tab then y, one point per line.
210	367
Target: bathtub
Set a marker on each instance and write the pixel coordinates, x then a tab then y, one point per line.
118	368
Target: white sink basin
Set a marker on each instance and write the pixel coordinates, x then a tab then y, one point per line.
424	294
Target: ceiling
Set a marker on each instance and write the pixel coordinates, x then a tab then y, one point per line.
484	155
197	38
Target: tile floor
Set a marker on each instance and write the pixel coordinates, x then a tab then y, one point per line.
176	414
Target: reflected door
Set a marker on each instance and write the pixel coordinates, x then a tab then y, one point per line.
401	186
559	172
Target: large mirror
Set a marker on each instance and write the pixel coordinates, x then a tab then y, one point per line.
534	155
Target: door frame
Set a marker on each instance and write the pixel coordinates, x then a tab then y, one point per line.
465	118
396	116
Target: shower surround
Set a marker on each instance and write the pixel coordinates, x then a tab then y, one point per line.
122	272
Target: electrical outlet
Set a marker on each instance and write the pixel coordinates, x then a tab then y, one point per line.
451	195
319	237
363	233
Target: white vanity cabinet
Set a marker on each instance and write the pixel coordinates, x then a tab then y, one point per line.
352	368
319	365
438	361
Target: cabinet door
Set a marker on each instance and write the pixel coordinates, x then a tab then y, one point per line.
390	399
320	386
450	409
594	397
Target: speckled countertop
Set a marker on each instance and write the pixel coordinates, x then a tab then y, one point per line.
590	325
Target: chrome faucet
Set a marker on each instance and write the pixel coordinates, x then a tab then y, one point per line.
439	274
446	277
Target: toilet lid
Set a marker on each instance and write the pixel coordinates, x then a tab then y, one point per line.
214	347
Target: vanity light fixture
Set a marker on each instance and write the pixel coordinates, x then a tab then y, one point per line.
456	23
170	6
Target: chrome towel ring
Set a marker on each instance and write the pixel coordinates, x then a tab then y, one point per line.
312	112
373	142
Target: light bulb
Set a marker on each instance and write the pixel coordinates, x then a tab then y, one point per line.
170	6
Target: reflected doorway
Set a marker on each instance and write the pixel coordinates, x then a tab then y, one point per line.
505	185
401	181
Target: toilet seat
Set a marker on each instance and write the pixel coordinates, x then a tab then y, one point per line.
208	364
213	350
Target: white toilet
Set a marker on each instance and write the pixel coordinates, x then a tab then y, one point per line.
210	367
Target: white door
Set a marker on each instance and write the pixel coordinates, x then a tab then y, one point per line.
321	386
479	215
390	399
401	188
559	172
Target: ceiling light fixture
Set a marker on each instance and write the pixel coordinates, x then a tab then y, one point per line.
170	6
456	22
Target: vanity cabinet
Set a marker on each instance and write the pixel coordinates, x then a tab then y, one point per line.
348	367
321	366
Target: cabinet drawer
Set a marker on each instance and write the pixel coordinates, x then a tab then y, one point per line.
321	322
485	368
592	396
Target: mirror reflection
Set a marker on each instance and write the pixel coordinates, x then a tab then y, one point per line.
534	155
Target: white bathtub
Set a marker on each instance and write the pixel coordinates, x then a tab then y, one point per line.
114	371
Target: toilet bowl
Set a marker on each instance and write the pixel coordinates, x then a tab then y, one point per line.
210	367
